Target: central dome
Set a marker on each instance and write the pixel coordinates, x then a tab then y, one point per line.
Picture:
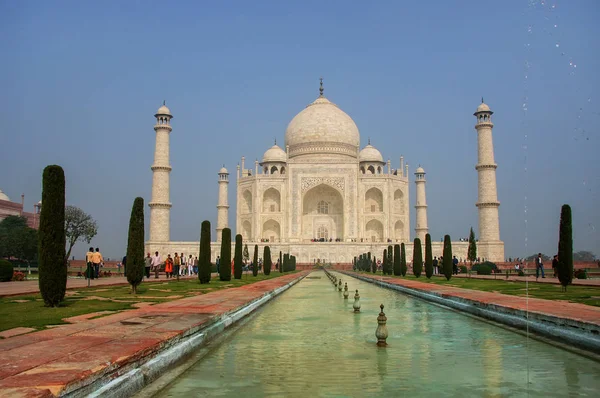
322	128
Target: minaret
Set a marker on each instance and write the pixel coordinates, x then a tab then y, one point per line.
160	206
222	206
489	226
421	206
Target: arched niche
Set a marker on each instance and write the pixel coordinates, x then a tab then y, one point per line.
373	201
399	231
246	231
246	202
271	201
398	201
271	231
374	231
322	207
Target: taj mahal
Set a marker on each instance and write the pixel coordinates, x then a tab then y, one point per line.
321	197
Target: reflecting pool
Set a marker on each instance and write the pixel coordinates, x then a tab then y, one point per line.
309	343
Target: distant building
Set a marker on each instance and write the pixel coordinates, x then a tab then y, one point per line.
8	208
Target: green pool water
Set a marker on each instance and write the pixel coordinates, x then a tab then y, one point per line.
309	343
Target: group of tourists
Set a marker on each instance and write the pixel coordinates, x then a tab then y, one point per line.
177	266
94	262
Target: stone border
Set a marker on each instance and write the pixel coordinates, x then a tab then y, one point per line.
578	333
126	382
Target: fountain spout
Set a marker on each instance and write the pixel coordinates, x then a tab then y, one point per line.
346	291
356	304
381	333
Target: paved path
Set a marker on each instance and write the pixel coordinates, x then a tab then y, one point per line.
44	363
561	309
531	279
32	286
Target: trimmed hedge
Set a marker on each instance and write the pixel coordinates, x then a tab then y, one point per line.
135	245
225	266
6	270
204	265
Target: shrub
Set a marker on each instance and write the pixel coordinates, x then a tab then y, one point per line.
521	273
428	257
204	266
237	259
6	270
403	267
447	262
483	269
417	258
565	248
255	261
397	268
463	269
581	274
52	265
18	276
486	264
225	268
135	245
267	260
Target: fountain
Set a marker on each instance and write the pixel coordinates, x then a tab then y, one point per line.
381	333
356	304
346	291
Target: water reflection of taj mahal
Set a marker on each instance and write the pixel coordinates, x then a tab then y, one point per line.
321	196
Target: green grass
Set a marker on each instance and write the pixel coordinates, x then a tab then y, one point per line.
32	313
589	295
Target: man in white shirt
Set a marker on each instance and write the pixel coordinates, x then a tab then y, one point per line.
155	264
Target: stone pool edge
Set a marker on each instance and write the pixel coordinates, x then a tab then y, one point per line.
565	330
153	365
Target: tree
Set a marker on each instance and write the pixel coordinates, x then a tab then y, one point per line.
225	269
52	267
237	258
584	255
472	250
267	260
447	262
374	265
397	269
246	253
204	265
135	244
255	261
79	226
403	267
565	248
417	258
17	239
384	264
280	262
428	257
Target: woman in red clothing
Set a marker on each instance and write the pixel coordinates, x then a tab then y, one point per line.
169	266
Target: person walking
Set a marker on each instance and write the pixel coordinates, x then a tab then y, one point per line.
555	265
218	263
169	266
89	256
455	265
156	264
176	265
147	265
435	266
97	260
190	264
539	265
183	265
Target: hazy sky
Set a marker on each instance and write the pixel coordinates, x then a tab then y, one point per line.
81	81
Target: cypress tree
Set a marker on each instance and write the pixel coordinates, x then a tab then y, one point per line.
417	257
280	262
237	259
397	268
204	266
267	260
225	268
384	262
447	262
286	259
565	248
403	267
472	250
390	263
374	265
52	266
255	261
428	257
354	263
293	263
135	245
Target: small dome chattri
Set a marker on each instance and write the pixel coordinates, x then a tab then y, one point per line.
370	154
483	108
419	170
223	170
3	196
274	154
163	110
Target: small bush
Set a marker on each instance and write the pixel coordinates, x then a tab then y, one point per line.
581	274
483	269
463	269
6	271
18	276
521	273
486	265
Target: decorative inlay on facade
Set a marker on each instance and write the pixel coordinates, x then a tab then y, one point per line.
310	182
324	147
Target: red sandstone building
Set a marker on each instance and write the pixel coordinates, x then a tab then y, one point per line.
8	208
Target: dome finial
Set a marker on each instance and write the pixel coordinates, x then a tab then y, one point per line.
275	140
165	102
482	100
369	141
321	87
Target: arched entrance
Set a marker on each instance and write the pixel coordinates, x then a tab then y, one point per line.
322	214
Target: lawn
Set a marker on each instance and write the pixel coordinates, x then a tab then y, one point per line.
589	295
29	310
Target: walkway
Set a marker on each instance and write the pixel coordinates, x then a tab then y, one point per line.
560	309
54	361
32	286
531	279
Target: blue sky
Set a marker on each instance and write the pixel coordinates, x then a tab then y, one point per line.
81	82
